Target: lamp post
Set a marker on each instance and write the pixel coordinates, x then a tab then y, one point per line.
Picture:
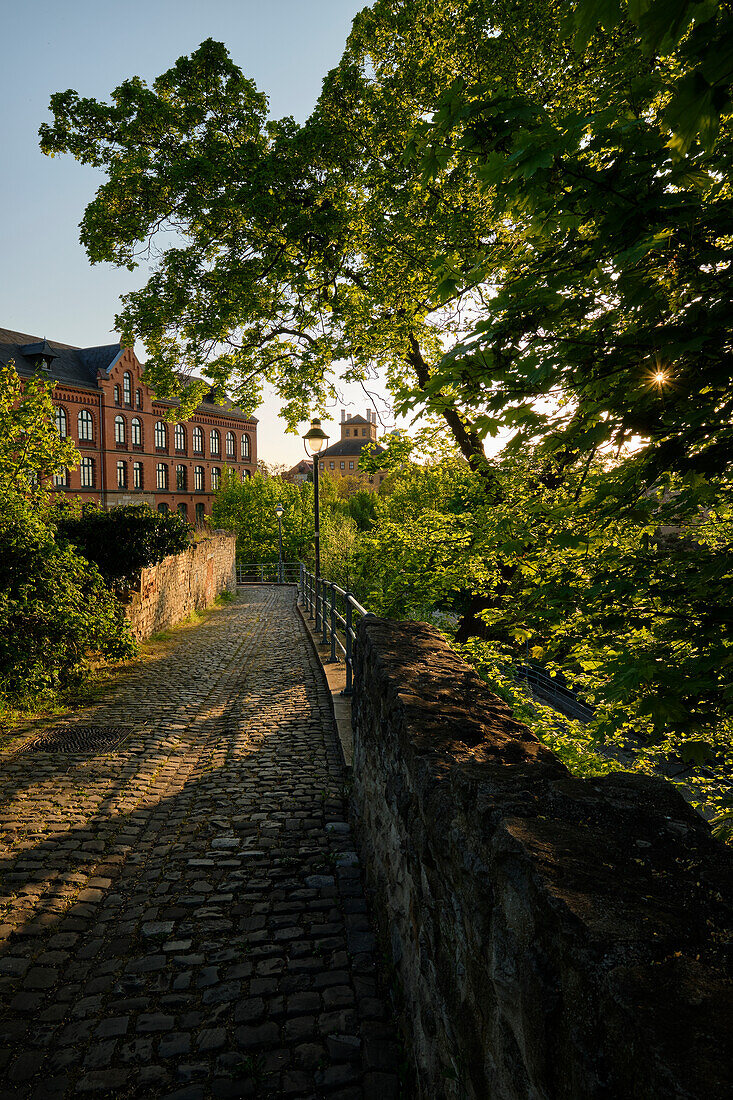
279	513
314	441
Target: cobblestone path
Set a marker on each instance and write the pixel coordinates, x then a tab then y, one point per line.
183	916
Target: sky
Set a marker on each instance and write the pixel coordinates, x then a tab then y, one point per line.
47	285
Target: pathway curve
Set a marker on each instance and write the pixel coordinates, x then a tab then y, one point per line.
183	916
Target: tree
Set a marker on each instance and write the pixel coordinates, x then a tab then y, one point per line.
31	449
55	609
248	509
124	540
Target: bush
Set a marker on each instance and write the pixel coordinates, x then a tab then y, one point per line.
125	540
54	607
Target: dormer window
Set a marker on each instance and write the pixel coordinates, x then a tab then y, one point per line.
41	355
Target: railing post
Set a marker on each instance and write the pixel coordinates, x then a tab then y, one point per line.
311	606
324	619
349	673
318	608
333	621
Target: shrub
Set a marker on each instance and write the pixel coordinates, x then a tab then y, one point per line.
54	606
125	540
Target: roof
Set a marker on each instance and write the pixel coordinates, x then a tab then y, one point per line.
350	447
355	420
75	366
79	366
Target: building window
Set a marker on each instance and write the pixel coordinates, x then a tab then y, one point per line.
363	431
162	507
343	465
346	431
161	436
127	387
161	475
198	441
179	437
198	479
245	447
61	422
137	475
215	442
121	475
61	479
231	445
332	465
183	510
85	425
138	399
180	477
119	429
245	475
351	465
215	478
86	472
117	395
200	513
136	432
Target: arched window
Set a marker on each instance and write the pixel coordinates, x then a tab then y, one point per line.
85	425
86	471
215	478
61	478
136	432
245	447
161	476
198	441
117	395
180	477
138	399
61	422
215	442
121	475
200	514
127	387
244	475
231	445
161	436
198	479
183	510
179	437
119	429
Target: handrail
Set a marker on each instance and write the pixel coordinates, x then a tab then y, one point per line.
268	572
335	626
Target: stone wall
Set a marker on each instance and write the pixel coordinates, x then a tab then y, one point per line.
551	937
182	583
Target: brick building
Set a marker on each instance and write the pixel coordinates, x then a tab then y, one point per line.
129	452
341	459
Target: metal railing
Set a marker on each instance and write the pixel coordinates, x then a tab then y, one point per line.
268	572
333	610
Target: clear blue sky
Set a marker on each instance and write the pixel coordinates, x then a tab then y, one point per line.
47	286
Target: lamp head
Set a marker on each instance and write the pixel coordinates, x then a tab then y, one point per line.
279	511
315	439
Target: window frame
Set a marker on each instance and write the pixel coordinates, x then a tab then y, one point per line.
85	417
127	388
161	475
161	433
122	474
215	475
215	438
245	447
136	423
199	479
120	431
61	421
138	475
196	435
86	472
179	434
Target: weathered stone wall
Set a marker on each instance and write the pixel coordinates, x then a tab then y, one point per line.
182	583
552	937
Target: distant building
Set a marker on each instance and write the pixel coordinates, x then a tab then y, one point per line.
302	471
129	452
342	459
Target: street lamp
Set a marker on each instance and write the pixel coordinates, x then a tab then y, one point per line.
314	441
279	513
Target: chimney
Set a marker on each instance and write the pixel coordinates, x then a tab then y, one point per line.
343	415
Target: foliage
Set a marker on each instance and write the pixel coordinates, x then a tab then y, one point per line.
30	447
124	540
248	509
54	607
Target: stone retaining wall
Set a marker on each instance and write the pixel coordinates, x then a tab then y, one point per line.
552	937
182	583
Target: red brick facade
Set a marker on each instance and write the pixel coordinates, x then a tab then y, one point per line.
131	453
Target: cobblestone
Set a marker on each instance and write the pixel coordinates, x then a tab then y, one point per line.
184	917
